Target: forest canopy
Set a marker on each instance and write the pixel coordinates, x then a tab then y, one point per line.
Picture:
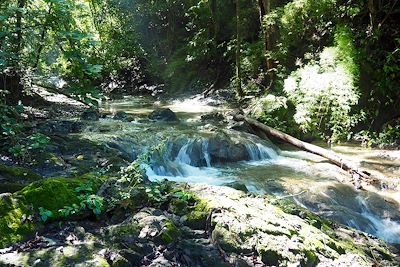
333	63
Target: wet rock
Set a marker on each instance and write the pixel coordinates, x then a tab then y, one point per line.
242	126
213	117
125	146
90	115
61	127
238	186
223	150
122	116
164	114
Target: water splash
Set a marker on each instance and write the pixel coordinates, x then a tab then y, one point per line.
385	228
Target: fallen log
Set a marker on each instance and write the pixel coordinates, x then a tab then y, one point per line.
329	155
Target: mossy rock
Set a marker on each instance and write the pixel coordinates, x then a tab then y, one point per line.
270	256
227	240
86	254
13	179
10	188
197	217
169	233
51	194
12	229
18	175
178	207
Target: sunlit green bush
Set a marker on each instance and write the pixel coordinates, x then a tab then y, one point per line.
324	93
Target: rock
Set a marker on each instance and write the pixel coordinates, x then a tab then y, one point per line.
163	114
90	115
223	150
85	254
147	224
132	257
125	146
213	117
13	179
122	116
242	126
246	225
197	217
238	186
12	227
155	226
61	127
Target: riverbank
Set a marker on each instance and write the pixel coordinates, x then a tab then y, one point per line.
153	223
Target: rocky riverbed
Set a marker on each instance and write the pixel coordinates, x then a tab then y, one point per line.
125	217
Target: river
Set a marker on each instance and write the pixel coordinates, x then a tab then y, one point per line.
197	151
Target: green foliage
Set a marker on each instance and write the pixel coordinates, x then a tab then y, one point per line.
87	200
388	137
10	123
303	26
13	139
157	192
184	196
323	93
45	214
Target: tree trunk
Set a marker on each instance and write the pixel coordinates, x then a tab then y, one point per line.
42	37
11	82
239	89
213	9
265	7
329	155
21	5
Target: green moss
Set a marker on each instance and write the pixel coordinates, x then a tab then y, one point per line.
169	233
124	230
12	229
55	193
18	174
51	194
311	259
197	217
178	207
227	240
270	256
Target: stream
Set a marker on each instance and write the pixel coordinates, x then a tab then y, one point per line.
205	151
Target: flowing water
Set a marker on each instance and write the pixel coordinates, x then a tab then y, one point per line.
206	152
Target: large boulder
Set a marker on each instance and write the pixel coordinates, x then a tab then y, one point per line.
163	114
246	225
90	115
223	150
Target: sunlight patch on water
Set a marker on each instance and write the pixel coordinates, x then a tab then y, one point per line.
192	105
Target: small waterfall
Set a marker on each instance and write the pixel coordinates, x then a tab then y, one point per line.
384	228
183	156
259	152
197	157
204	147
